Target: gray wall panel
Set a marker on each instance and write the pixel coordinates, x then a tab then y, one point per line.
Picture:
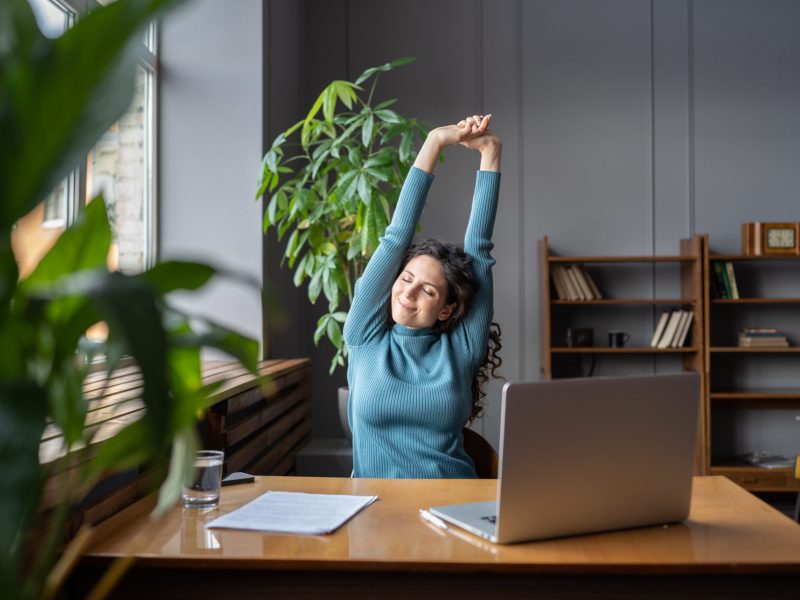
210	149
747	126
502	89
587	146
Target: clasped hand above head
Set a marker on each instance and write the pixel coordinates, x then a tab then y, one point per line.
472	132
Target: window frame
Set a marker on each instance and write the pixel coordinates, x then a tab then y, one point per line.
78	183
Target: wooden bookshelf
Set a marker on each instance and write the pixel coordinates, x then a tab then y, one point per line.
720	315
625	350
554	312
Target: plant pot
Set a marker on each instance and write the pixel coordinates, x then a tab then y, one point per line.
343	398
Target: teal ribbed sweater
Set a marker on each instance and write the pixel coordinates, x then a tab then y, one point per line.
410	389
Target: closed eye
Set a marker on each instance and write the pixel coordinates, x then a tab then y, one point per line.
430	293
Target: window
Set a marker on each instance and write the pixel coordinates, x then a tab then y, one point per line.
121	167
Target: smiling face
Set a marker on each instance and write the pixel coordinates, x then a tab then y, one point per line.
419	295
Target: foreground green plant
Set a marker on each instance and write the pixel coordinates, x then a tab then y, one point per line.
57	97
341	182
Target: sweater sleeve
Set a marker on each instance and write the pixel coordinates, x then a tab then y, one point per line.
368	313
478	244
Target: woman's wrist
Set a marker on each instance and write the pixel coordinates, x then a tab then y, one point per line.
429	152
491	153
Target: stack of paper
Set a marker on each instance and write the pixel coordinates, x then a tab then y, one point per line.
294	512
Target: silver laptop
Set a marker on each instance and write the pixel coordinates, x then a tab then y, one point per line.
585	455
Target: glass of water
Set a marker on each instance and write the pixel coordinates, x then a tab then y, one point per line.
203	492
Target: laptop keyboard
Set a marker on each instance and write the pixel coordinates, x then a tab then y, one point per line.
491	519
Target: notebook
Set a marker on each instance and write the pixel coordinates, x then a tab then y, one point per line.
587	455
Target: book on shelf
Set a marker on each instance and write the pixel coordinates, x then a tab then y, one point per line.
720	272
563	287
767	460
762	338
670	329
590	280
682	320
573	282
583	285
662	323
558	284
732	280
687	326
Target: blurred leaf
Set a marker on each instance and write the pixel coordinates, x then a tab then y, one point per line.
388	116
364	189
366	130
329	102
334	332
322	326
240	347
406	60
66	401
130	307
9	273
174	275
129	447
385	104
315	286
180	470
22	421
82	246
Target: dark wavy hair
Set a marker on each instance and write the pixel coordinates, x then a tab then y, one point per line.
461	289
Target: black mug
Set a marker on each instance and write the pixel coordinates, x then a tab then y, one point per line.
617	339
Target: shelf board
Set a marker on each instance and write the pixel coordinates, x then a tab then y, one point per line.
622	302
620	259
742	257
757	479
744	469
775	394
739	350
625	350
756	301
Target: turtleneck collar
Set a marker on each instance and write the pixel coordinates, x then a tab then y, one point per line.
407	331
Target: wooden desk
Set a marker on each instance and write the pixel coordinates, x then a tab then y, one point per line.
732	545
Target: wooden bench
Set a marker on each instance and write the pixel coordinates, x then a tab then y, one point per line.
260	430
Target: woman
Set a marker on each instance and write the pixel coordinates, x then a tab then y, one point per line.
414	377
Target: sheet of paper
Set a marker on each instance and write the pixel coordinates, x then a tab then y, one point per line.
294	512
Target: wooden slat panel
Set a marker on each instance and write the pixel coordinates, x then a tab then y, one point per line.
276	455
241	402
266	438
262	418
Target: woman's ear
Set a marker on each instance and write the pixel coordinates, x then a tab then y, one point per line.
446	311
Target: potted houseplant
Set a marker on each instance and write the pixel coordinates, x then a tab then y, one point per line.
333	180
57	97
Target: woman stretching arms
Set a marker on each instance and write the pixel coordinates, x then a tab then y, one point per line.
419	333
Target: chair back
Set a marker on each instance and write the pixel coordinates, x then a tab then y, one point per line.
481	453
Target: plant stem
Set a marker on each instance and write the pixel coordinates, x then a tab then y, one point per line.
372	90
